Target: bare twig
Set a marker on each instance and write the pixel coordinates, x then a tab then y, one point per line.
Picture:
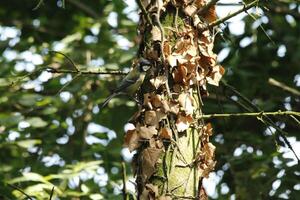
283	86
52	192
144	12
265	119
252	114
20	190
124	179
222	20
84	8
84	72
67	57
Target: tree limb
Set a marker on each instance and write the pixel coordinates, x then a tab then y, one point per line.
252	114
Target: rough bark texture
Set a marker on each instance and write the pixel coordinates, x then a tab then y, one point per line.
172	141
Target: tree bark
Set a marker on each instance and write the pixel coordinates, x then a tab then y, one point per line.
172	141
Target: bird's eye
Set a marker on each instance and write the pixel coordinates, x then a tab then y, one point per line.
146	67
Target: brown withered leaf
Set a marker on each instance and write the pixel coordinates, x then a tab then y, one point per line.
216	75
172	60
156	33
131	140
165	133
147	132
190	10
147	100
208	129
186	102
158	81
172	107
210	15
167	48
183	122
152	118
203	195
156	101
209	151
180	74
150	157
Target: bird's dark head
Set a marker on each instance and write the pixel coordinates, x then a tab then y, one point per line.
144	65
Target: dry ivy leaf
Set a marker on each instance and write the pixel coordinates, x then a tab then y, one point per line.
216	75
180	74
183	122
152	118
209	151
190	10
147	100
192	51
186	102
158	81
132	140
156	33
165	133
150	157
167	49
156	100
211	14
170	107
147	132
172	60
203	195
208	129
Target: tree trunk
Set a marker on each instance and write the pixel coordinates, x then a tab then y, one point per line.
172	141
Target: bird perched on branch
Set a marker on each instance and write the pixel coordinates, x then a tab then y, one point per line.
132	81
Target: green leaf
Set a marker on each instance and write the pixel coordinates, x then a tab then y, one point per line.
36	122
28	143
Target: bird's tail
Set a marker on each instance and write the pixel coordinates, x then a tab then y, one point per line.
108	99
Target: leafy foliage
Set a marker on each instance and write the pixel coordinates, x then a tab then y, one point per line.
51	130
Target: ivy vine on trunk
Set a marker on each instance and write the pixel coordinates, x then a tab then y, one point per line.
170	136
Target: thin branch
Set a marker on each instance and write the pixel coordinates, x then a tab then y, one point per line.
252	114
283	86
84	72
84	8
124	179
20	190
144	12
222	20
264	118
52	192
67	57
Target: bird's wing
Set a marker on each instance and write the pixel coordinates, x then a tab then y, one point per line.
108	99
127	81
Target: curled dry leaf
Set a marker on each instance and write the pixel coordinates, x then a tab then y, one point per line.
158	81
216	75
152	118
146	132
150	157
165	133
131	140
171	107
186	102
147	100
183	122
190	9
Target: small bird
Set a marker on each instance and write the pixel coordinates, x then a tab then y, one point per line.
132	81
